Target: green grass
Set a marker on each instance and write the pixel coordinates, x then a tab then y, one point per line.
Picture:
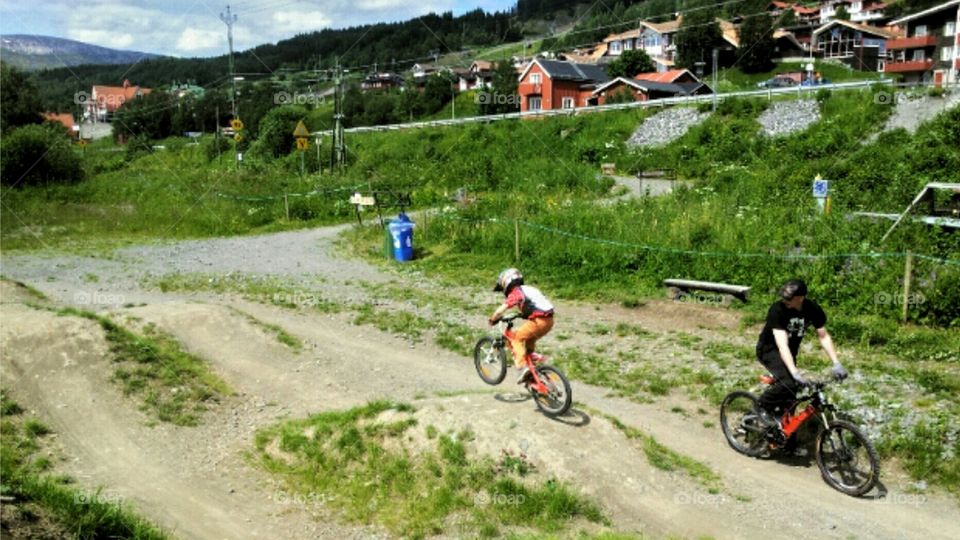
263	289
44	504
363	467
666	459
175	386
278	332
732	79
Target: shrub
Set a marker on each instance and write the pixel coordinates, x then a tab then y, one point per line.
38	154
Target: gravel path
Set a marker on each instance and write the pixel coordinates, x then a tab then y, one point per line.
665	127
787	117
910	111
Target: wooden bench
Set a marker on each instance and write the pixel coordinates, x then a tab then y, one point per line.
684	286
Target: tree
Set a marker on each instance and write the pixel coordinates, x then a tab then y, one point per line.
275	136
19	101
755	54
150	115
787	19
502	97
842	14
437	91
698	35
623	95
630	64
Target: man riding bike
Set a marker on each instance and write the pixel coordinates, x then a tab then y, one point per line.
533	306
779	344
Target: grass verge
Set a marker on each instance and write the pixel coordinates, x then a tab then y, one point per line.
40	505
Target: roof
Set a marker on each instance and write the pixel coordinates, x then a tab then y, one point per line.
482	65
646	86
786	34
665	27
570	71
664	76
63	118
730	31
803	10
780	5
924	13
629	34
886	34
114	96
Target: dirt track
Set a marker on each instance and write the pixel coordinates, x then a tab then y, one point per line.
196	483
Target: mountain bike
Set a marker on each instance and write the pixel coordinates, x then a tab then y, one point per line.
548	385
847	460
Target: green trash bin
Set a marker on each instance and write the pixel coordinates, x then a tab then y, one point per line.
387	239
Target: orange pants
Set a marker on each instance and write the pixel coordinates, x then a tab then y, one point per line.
525	339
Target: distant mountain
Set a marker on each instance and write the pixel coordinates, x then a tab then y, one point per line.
37	52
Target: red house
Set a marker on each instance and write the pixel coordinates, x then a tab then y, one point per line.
553	84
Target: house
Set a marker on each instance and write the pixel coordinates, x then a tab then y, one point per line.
105	100
786	45
647	86
655	39
804	15
555	84
64	119
381	81
859	46
181	90
478	75
929	50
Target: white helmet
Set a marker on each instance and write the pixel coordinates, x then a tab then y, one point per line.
508	279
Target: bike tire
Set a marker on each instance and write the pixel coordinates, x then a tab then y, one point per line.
739	413
490	359
855	448
559	397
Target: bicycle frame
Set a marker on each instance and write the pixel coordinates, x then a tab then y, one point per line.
818	405
507	338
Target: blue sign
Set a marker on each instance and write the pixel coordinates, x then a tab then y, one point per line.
820	188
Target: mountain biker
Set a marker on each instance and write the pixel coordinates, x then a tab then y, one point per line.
533	306
779	344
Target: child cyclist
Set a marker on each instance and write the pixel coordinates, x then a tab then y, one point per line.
533	306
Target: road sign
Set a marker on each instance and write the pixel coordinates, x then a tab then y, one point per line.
82	142
301	130
821	187
302	143
238	137
236	124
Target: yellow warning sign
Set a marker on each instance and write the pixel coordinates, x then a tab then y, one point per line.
82	142
301	130
302	143
236	124
238	137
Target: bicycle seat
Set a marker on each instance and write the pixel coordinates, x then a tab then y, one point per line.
767	378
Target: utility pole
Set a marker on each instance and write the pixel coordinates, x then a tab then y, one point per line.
716	53
339	149
229	19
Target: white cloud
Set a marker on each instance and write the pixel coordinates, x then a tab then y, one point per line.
293	22
196	39
104	38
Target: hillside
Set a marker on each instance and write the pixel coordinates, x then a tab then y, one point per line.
29	52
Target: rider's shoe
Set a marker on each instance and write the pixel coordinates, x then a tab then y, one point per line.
524	375
768	420
537	357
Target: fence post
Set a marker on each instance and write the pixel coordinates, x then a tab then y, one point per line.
286	206
516	241
907	277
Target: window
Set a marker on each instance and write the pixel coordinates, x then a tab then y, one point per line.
533	103
534	78
950	28
615	47
917	55
920	30
628	44
946	54
567	103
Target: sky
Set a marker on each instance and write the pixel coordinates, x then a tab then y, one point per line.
193	27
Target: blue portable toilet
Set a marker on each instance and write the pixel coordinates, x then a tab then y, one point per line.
401	232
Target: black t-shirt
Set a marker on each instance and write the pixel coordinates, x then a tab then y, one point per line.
793	321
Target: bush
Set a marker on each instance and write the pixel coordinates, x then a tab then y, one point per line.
38	154
138	145
275	135
214	146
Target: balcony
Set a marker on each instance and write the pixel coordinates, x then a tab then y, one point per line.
911	42
907	67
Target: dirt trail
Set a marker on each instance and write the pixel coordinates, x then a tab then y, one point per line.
196	483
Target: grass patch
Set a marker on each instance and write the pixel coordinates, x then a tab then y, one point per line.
359	460
41	505
278	332
262	289
665	458
175	385
402	323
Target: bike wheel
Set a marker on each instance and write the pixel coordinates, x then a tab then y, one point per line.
490	359
740	420
558	398
847	460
